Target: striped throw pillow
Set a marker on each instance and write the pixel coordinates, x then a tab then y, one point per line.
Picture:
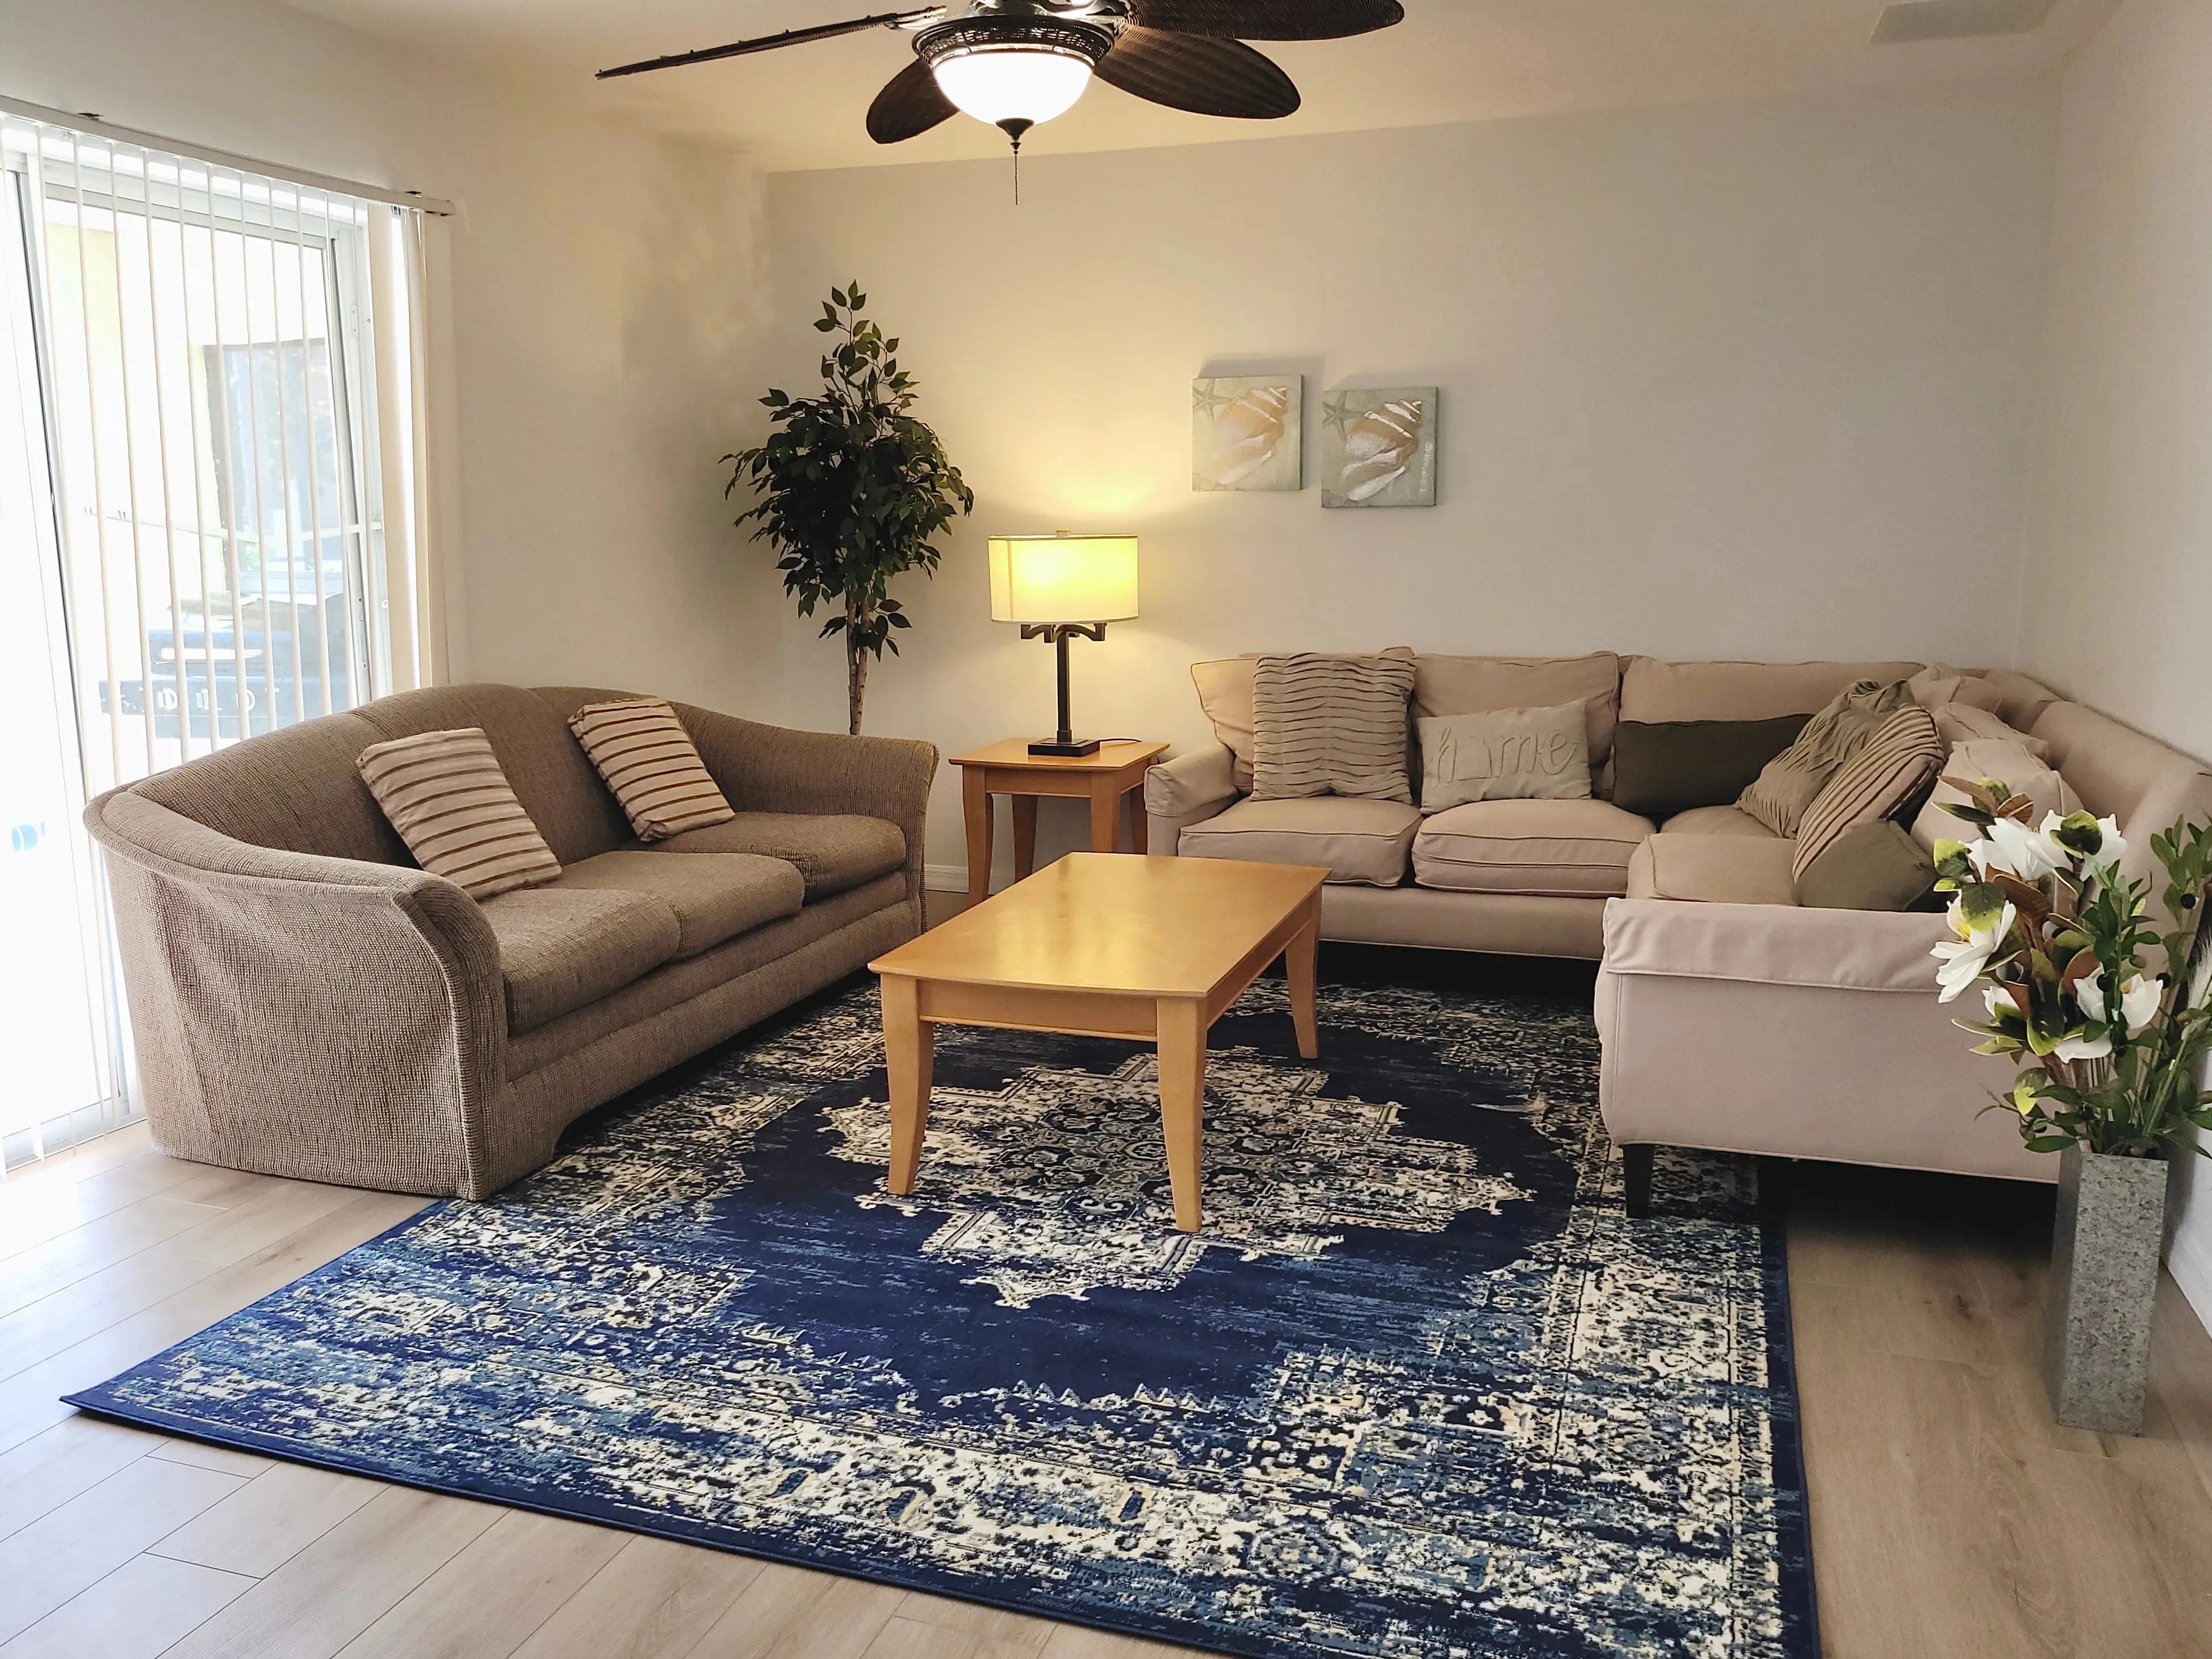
448	796
651	764
1330	725
1888	776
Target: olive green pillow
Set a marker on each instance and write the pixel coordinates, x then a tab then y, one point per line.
1876	865
1660	768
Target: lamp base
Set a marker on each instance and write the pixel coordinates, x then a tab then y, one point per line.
1074	749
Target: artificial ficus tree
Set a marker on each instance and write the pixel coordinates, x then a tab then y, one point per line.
851	489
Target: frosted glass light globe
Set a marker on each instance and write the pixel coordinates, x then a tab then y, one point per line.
1027	83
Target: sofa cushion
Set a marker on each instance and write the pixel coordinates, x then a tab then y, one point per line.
562	948
572	808
1504	754
1562	848
1960	723
649	761
2011	764
447	796
1787	784
833	851
1888	778
1652	689
1713	869
1478	685
1716	821
714	895
1356	840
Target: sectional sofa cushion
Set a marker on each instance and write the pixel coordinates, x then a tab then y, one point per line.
1716	821
1787	784
1330	725
1936	687
1960	723
563	948
1224	694
1562	848
1478	685
1665	766
1654	689
651	764
1888	778
1504	754
1712	870
1873	866
448	796
1362	842
835	852
713	896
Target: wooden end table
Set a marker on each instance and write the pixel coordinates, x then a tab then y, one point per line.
1104	945
1009	768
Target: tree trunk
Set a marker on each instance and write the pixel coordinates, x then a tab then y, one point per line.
856	666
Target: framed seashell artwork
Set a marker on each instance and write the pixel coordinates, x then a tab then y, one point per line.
1245	432
1378	447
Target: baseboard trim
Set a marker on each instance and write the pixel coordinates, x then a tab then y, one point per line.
945	877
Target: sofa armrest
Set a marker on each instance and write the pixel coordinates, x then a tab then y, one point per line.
1775	944
1187	790
299	1015
775	768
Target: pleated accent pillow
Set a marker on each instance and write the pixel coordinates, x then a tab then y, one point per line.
1330	725
447	796
1886	778
651	764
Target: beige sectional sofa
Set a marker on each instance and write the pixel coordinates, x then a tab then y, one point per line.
1731	1018
306	1002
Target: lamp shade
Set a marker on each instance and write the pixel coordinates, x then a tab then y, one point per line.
1063	579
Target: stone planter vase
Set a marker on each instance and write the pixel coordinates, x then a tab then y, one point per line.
2104	1277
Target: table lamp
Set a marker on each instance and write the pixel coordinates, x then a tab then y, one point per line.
1057	587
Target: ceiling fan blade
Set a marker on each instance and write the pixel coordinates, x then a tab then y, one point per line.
1269	20
1205	77
910	105
882	20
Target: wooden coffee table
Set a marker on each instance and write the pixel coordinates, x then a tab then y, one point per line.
1104	945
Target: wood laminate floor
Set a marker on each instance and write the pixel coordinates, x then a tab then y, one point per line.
1950	1517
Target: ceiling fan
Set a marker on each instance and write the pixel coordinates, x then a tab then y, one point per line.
1016	62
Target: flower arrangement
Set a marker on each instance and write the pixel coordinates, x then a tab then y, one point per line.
2043	919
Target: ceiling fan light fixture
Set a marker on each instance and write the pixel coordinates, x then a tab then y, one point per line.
1013	73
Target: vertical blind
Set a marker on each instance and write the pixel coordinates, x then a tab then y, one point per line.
212	456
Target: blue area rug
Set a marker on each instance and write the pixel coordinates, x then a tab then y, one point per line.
1420	1389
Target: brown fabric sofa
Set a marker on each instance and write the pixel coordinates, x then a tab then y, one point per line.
306	1002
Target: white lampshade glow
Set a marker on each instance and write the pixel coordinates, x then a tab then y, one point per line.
1063	579
1025	83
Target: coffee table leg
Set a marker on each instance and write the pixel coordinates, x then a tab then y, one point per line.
1298	965
1181	1037
909	1047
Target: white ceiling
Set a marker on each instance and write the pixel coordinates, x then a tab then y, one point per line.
1451	60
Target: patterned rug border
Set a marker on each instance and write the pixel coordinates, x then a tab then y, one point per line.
1798	1600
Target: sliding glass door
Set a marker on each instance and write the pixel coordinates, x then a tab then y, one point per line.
190	537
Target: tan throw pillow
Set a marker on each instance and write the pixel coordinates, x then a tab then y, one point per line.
449	798
1330	725
2017	766
1507	754
1787	784
1891	770
651	764
1961	723
1937	686
1224	694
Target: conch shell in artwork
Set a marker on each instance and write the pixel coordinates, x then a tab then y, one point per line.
1247	434
1379	447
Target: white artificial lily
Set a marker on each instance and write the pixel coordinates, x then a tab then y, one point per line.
1963	958
2083	1047
2111	850
2139	1001
2029	854
2000	1006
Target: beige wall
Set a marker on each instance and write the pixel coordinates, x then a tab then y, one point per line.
604	289
2118	566
1740	379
